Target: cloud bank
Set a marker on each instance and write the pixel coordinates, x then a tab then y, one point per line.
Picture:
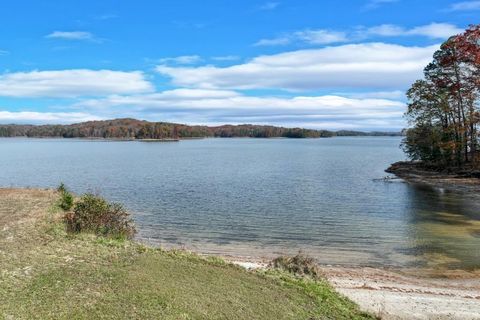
372	65
324	36
72	83
45	117
226	106
369	80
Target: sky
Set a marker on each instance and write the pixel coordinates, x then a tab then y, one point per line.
296	63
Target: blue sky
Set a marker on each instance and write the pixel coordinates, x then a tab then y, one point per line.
316	64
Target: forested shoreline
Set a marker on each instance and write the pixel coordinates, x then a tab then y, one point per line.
139	129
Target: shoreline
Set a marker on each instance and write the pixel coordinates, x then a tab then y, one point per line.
391	293
397	295
388	292
179	139
47	272
415	173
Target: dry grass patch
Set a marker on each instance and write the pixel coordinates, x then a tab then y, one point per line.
300	265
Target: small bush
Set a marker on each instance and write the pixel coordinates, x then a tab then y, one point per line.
66	198
66	201
299	264
94	214
62	188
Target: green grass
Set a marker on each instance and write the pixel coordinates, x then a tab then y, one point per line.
46	273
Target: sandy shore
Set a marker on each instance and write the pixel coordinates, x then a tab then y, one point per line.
402	294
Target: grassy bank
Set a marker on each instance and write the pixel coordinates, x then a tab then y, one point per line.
47	273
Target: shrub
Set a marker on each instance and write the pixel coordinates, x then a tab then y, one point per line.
299	264
62	188
94	214
66	201
66	198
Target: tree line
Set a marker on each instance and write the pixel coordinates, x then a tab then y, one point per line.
443	109
137	129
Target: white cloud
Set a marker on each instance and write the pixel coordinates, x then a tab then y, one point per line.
385	30
436	30
391	95
3	52
465	6
223	106
324	36
321	36
181	59
72	83
433	30
45	117
280	41
200	106
226	58
311	36
230	100
269	6
369	65
192	94
71	35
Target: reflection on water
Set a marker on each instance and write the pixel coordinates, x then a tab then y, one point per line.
445	228
260	197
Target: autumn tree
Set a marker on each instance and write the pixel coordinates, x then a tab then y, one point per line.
443	108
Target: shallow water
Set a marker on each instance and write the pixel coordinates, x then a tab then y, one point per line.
262	197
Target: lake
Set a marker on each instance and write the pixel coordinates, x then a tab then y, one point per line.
263	197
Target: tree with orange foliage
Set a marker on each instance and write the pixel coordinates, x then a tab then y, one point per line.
443	108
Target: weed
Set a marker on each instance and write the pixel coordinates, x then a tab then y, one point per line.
299	264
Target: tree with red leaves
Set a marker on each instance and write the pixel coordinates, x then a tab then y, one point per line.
443	108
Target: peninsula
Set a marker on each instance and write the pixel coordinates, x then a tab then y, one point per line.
444	113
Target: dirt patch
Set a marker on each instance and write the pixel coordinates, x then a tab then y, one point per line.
21	205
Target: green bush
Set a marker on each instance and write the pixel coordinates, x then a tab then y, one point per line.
61	188
66	201
94	214
66	198
299	264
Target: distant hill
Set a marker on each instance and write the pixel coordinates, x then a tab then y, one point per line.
139	129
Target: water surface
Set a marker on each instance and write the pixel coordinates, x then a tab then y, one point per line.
262	197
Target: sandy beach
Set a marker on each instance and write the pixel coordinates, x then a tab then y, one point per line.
403	295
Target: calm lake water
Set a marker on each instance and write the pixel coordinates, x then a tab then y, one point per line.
263	197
